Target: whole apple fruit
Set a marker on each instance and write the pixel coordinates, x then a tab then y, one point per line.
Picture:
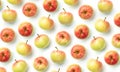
71	2
63	38
85	12
78	51
42	41
116	40
9	15
15	2
2	69
65	18
105	6
19	66
7	35
40	64
111	57
29	9
74	68
50	5
4	54
25	29
58	56
102	26
81	31
98	43
117	19
46	23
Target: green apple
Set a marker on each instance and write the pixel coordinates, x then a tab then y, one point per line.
71	2
98	44
65	18
19	66
102	26
42	41
15	2
23	48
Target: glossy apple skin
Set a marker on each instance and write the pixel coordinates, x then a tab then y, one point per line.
50	5
29	9
116	40
74	68
2	69
40	64
78	51
4	54
7	35
117	19
63	38
71	2
81	31
25	29
15	2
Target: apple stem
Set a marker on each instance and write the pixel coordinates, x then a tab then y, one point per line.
8	7
15	60
59	70
97	58
105	19
49	16
64	10
26	41
56	48
94	37
38	35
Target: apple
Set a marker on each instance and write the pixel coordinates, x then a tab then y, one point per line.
4	54
23	48
15	2
25	29
9	15
58	56
94	65
46	23
29	9
63	38
78	51
85	12
117	19
42	41
65	18
74	68
71	2
116	40
7	35
111	57
50	5
2	69
81	31
40	64
102	26
105	6
19	66
98	43
0	4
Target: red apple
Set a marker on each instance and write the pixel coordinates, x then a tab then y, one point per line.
7	35
116	40
117	19
2	69
74	68
50	5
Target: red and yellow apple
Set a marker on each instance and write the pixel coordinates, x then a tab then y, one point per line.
117	19
0	4
74	68
2	69
15	2
116	40
71	2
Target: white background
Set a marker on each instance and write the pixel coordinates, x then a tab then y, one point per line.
36	52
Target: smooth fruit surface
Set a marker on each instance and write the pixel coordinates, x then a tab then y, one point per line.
15	2
117	19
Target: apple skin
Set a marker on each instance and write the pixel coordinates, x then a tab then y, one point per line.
116	40
15	2
7	35
81	31
63	38
85	12
111	57
98	44
0	4
25	29
50	5
74	68
117	19
71	2
29	9
78	51
2	69
5	54
40	64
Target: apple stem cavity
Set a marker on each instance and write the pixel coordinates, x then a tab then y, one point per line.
64	10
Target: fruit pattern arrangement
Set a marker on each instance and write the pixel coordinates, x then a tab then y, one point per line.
36	40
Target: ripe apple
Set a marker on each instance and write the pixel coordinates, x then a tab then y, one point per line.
25	29
102	26
19	66
116	40
46	23
65	18
78	51
7	35
105	6
4	54
29	9
58	56
40	64
94	65
42	41
85	12
15	2
74	68
117	19
81	31
9	15
2	69
50	5
63	38
24	49
98	43
111	57
71	2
